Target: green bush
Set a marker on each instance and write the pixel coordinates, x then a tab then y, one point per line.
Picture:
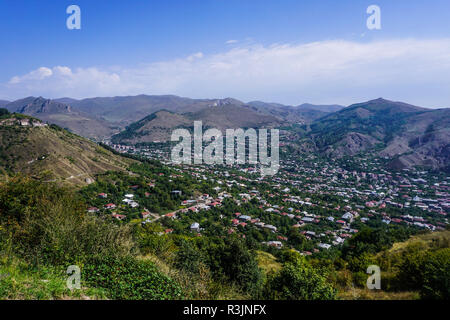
151	240
361	262
299	281
436	275
427	271
240	266
410	274
359	279
188	258
3	112
48	224
129	279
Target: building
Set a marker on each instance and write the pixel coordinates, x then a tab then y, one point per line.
110	206
195	227
276	244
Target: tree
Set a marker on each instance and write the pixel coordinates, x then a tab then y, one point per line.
368	241
188	258
410	275
48	224
436	275
240	265
3	112
299	281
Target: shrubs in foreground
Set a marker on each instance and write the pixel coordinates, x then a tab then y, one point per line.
46	227
297	280
427	271
128	278
49	225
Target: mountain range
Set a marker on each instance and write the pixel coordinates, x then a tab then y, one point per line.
159	125
304	113
407	134
102	117
65	116
3	103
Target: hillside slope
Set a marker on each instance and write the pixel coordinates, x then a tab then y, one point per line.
3	103
63	115
50	153
408	134
324	108
305	113
129	109
159	126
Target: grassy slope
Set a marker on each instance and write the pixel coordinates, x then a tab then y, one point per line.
88	127
425	239
267	262
354	293
20	282
54	155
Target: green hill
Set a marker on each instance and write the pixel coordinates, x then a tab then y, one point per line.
413	269
50	153
159	125
64	115
406	134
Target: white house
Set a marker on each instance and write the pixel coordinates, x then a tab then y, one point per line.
195	227
324	246
347	216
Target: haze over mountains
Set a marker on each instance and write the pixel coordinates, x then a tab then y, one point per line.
3	103
130	109
100	118
303	113
407	134
159	125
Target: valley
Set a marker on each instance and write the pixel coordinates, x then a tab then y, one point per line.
353	186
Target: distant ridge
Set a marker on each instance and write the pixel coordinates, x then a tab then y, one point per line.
3	103
305	113
408	134
129	109
159	125
64	115
324	108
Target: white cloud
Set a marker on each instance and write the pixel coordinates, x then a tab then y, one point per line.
231	42
411	70
195	56
38	75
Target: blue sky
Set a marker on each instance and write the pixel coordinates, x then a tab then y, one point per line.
219	48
